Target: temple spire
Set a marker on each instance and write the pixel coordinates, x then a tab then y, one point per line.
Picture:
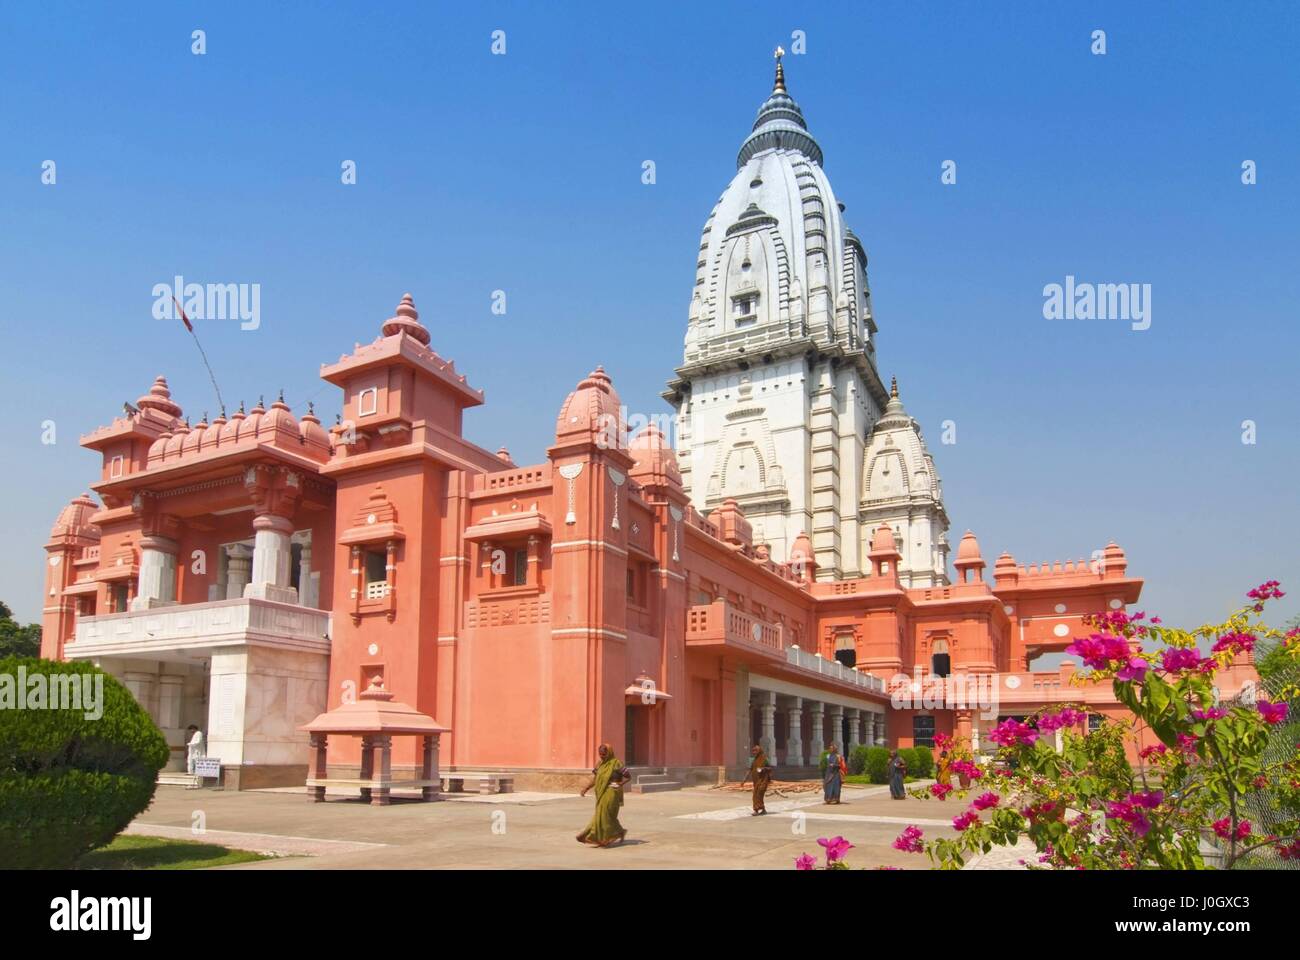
893	387
779	85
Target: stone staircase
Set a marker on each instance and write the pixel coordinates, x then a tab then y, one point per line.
173	778
651	780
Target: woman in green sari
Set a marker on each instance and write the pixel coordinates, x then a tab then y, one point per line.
607	780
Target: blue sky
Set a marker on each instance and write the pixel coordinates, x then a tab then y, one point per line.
523	173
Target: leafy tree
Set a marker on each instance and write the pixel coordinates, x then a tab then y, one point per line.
16	640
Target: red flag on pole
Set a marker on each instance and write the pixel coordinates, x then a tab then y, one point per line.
186	320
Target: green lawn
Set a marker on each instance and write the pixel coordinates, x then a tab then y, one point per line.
863	779
155	853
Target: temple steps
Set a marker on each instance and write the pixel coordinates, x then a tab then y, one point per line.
651	780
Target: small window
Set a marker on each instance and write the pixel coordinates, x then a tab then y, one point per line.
1094	722
940	662
120	595
922	731
368	402
631	584
115	466
521	568
375	570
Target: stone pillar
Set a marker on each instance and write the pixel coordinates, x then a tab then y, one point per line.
851	740
381	797
307	588
239	565
863	737
272	558
429	768
170	693
141	686
817	739
157	584
794	754
367	765
766	701
318	767
834	725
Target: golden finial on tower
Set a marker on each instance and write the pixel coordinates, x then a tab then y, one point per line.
779	86
893	387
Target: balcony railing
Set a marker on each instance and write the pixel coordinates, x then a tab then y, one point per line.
834	669
721	623
197	626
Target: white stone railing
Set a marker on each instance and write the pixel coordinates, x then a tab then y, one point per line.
200	625
834	669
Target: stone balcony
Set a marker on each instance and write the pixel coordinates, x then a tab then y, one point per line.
721	624
834	670
195	627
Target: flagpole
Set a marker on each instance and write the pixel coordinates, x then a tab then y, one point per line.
203	353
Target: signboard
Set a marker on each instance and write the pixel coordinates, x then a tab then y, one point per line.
207	767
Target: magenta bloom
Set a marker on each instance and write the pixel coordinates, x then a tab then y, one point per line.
1154	749
1069	717
1216	713
836	847
940	790
1135	669
966	768
1098	650
1008	733
1223	829
1174	659
806	863
1149	800
1274	713
1268	590
986	800
909	841
1131	813
1233	642
962	821
1187	742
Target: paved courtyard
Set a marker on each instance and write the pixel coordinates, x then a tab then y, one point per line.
698	827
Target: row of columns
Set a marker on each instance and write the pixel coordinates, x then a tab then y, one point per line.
263	571
826	723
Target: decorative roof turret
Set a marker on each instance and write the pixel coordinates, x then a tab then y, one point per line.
593	412
406	320
780	124
74	519
655	460
159	398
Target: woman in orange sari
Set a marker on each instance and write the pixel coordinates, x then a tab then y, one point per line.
607	779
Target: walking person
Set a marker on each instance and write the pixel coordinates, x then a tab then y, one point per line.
762	774
833	778
607	779
897	769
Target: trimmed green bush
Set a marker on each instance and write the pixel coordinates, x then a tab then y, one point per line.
923	758
858	760
877	764
68	783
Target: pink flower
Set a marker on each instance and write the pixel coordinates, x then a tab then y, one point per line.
1274	713
1215	713
1130	813
1187	742
1011	732
1135	669
909	841
1098	650
940	790
1069	717
1174	659
1268	590
986	800
1153	750
964	820
1149	800
1223	828
836	847
1291	851
806	863
1233	642
966	768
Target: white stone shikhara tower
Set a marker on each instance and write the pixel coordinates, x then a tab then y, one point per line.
778	392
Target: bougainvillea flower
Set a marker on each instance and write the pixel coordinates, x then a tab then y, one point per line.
940	790
964	820
1268	590
986	800
1215	713
806	863
1274	713
1156	749
1174	659
909	841
1135	669
836	847
1233	642
1008	733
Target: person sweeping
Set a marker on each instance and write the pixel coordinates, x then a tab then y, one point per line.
607	779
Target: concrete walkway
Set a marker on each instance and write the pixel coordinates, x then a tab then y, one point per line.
698	827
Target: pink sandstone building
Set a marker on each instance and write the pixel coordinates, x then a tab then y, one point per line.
782	577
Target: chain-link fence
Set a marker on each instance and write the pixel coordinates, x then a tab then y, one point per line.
1261	806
